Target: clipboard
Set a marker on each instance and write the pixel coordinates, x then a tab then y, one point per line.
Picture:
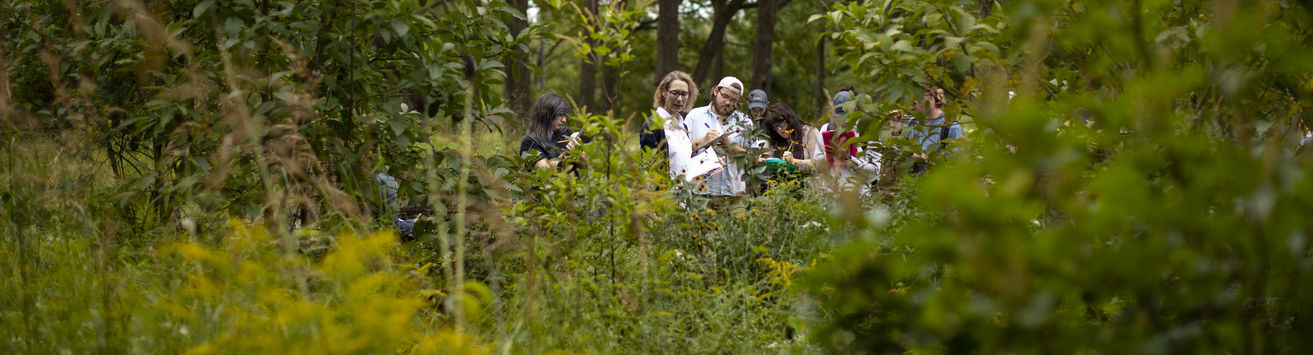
703	164
716	141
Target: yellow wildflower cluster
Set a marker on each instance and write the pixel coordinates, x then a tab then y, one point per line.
251	297
781	272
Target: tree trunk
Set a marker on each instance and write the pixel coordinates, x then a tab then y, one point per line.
717	70
667	59
542	62
588	65
716	39
517	64
587	83
820	80
761	45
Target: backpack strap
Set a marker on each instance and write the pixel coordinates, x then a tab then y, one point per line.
943	135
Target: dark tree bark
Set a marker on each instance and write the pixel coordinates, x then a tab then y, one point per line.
588	65
667	59
517	64
587	83
715	43
820	79
761	45
717	70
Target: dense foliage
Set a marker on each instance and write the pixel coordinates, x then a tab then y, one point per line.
1145	191
253	108
196	176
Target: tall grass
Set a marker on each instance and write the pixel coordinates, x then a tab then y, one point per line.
73	290
637	274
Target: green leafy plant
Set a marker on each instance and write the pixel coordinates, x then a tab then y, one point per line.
1128	199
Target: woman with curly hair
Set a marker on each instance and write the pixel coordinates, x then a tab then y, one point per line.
672	99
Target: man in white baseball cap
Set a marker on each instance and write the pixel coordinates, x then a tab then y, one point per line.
721	127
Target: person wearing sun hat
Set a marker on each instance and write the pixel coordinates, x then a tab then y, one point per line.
719	126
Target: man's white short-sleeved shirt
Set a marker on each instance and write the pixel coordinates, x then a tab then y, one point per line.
737	126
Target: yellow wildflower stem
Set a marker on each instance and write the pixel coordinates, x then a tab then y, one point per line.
458	290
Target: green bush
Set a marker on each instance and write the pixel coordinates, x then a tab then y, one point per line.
1135	196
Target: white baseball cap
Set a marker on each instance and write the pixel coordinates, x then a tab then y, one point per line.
732	83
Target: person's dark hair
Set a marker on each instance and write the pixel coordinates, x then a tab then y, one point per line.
781	113
545	110
415	101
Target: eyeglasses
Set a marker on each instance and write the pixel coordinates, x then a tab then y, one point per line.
677	93
733	100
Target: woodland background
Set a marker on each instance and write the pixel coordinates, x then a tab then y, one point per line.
195	176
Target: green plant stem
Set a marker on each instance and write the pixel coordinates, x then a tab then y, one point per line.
24	271
458	291
444	238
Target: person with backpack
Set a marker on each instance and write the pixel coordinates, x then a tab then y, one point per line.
937	133
390	208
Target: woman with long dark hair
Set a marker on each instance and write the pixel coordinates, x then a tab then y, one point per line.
547	135
792	140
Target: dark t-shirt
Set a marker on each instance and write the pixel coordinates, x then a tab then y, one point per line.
551	150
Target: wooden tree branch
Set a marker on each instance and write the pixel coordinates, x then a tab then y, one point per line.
716	40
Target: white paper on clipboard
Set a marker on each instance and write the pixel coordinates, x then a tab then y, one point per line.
704	163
